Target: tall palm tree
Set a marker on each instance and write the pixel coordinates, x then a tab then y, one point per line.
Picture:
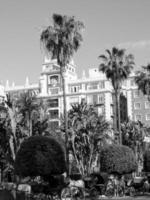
61	41
117	66
142	79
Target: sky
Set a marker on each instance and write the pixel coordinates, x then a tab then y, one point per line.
108	23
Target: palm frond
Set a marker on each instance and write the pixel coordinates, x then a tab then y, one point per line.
61	40
58	20
117	65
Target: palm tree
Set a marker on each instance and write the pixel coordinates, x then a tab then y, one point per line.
12	115
117	66
142	79
133	134
61	41
27	106
87	132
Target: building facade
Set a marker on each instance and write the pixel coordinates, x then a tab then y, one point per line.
94	89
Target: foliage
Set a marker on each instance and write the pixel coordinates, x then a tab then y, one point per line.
39	126
28	106
40	156
117	159
87	132
147	161
40	119
142	79
6	158
60	42
117	66
133	134
14	129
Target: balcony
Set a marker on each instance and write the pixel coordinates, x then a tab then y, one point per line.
53	91
92	87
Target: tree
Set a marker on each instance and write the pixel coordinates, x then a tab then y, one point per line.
13	119
44	154
40	119
87	133
117	66
6	156
61	41
147	161
14	128
117	159
27	106
142	79
133	134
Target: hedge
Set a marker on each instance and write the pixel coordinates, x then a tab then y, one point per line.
40	156
117	159
147	161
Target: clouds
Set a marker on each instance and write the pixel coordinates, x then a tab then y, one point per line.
135	45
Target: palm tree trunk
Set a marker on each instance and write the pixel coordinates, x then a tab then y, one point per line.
118	128
65	116
29	124
119	125
13	140
30	129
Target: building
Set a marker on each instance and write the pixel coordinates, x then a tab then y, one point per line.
94	89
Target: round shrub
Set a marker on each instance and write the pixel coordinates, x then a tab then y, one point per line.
40	156
117	159
147	161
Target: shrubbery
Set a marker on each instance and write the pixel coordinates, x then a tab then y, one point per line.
117	159
40	156
147	161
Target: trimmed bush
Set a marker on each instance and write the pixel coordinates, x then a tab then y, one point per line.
147	161
117	159
40	156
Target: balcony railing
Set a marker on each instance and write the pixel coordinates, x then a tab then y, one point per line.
53	91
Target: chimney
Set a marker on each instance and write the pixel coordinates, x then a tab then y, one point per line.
7	84
27	82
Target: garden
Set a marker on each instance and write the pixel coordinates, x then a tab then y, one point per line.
86	157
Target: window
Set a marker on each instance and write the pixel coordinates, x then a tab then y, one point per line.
93	86
53	80
147	104
147	117
101	84
53	114
74	89
101	98
137	105
136	93
52	103
95	99
138	117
